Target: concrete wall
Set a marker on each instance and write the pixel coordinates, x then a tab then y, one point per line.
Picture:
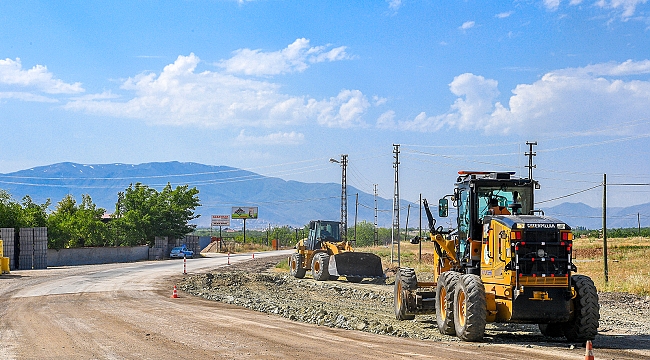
96	255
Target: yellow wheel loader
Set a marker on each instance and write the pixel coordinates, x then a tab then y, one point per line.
505	262
328	257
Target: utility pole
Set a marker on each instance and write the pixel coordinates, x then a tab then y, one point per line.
344	196
530	155
605	227
420	232
356	215
395	229
406	228
376	238
638	221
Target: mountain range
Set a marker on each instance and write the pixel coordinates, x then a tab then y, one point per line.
280	202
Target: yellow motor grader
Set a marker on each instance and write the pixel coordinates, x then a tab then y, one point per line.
328	257
505	262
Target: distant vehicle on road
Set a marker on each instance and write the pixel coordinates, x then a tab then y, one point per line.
181	251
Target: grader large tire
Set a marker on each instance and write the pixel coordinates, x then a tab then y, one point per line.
586	311
445	302
320	266
470	308
405	281
552	330
295	266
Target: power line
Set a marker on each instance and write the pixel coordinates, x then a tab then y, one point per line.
565	196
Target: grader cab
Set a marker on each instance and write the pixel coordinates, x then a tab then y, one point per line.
506	262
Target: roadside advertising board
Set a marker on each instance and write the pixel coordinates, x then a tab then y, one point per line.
244	212
220	220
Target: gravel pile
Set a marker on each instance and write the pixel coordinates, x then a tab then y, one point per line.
369	306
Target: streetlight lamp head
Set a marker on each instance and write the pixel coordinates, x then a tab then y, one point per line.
334	160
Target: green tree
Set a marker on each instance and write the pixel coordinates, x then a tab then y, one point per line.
33	214
76	226
365	233
142	213
10	211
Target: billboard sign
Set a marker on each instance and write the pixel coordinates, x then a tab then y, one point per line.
244	212
220	220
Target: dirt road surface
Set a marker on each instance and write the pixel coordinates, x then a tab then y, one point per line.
124	311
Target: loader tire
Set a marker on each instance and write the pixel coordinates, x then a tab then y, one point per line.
447	282
320	267
552	330
470	308
295	266
405	281
586	311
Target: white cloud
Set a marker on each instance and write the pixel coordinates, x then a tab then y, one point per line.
378	101
12	73
504	15
344	110
25	96
386	120
467	25
278	138
394	4
180	95
294	58
627	6
552	4
567	100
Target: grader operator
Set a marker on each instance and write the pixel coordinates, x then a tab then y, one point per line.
505	262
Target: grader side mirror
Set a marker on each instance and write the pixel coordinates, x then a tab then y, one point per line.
443	207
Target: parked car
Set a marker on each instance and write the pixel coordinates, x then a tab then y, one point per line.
181	251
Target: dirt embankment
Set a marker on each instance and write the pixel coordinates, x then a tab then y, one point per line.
369	307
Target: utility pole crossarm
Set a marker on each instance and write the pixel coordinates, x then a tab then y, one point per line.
530	155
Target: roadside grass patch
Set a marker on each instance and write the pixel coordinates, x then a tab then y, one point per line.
282	266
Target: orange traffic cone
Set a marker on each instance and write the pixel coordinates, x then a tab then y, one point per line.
175	296
589	351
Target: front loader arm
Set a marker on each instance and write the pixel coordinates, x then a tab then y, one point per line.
448	246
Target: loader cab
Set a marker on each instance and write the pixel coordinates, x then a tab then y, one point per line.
477	194
320	231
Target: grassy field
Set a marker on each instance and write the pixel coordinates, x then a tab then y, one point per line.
628	260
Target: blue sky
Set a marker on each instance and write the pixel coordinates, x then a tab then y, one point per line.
280	87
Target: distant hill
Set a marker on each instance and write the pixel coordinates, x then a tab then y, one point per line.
280	202
579	214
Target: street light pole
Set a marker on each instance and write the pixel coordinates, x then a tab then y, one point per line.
344	196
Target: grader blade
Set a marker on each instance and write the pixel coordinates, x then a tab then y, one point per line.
356	265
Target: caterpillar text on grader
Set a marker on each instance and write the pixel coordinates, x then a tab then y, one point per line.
328	257
505	262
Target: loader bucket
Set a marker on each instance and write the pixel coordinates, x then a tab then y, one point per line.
356	265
